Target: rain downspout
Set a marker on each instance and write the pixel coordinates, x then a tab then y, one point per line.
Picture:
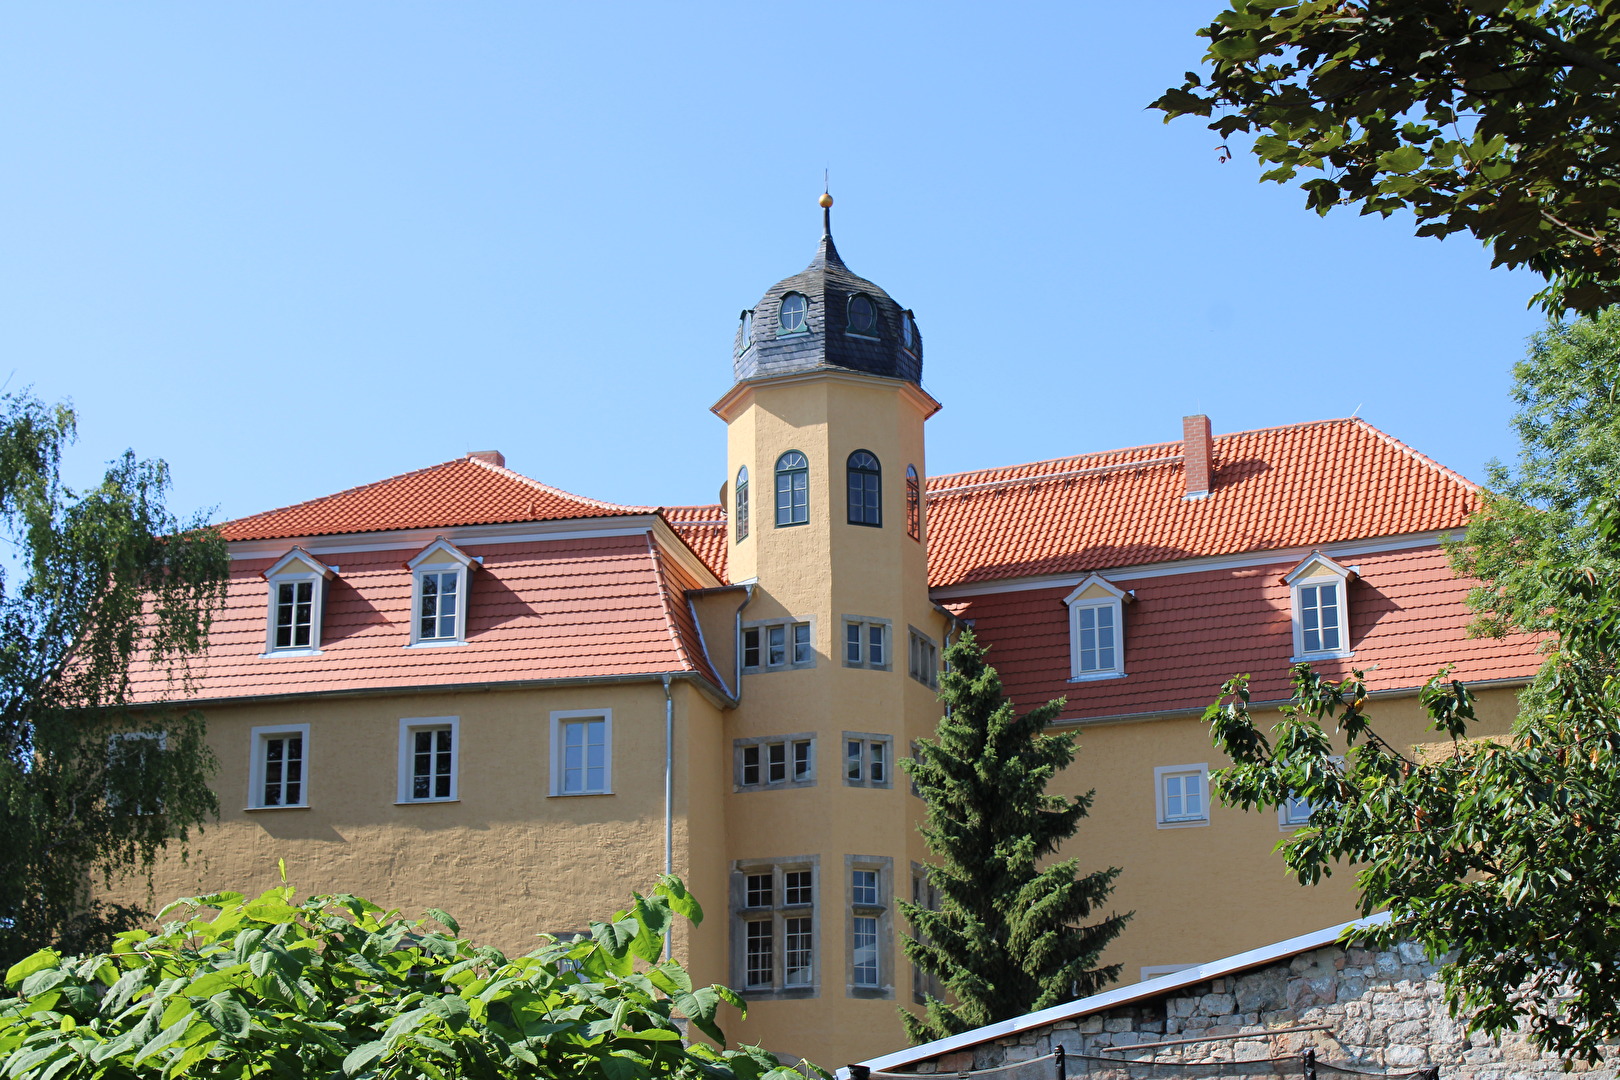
669	797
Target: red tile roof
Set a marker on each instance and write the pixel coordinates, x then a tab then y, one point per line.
704	530
466	491
1185	634
1297	486
552	609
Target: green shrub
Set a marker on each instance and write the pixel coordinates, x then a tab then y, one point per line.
335	987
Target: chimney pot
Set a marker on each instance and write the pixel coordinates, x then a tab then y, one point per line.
1196	439
494	457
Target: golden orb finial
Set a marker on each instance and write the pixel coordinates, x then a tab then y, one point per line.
825	201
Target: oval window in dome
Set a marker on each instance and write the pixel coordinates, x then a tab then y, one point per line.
746	333
862	314
790	314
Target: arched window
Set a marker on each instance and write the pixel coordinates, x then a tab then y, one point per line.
791	312
742	504
865	489
792	489
862	315
913	503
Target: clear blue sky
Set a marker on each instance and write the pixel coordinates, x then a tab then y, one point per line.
295	247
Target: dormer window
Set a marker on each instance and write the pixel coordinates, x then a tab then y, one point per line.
297	596
862	315
1319	592
440	575
908	330
745	333
1096	629
791	314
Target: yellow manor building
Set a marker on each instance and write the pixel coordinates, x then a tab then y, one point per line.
462	688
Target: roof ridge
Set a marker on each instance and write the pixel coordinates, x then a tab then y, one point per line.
1420	456
339	494
1144	446
502	470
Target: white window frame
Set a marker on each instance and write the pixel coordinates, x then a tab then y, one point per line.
257	754
560	718
763	744
867	740
1287	822
1162	773
882	913
462	565
885	628
408	727
1318	569
117	737
1115	600
777	914
763	628
924	669
294	568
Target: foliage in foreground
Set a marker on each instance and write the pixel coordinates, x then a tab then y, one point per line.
1493	117
334	986
94	581
1006	938
1502	852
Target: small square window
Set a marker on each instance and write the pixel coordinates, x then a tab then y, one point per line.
1182	793
866	643
131	757
866	759
798	887
427	759
864	888
278	767
778	646
774	762
1296	811
760	891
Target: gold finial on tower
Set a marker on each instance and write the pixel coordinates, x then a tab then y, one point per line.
825	201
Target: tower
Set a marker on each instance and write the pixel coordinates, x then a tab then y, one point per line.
840	643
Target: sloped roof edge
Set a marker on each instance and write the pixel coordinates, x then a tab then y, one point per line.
1121	995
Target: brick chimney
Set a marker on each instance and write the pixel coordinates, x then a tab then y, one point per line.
495	457
1195	454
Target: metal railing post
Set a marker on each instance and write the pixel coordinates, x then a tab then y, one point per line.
1062	1064
1309	1059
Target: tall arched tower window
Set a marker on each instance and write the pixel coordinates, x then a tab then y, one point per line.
792	489
742	504
913	503
865	489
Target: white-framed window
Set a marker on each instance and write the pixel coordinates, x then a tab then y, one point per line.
866	642
1297	810
774	926
1319	591
868	759
870	931
924	659
1096	629
925	896
582	752
429	753
441	575
131	756
774	761
1182	795
297	599
778	645
278	767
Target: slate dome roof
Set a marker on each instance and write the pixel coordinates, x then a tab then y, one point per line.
831	335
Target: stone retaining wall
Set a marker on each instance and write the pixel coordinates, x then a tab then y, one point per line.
1376	1012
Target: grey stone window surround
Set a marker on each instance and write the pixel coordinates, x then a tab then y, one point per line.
932	682
763	625
923	895
883	911
866	620
766	785
867	738
741	914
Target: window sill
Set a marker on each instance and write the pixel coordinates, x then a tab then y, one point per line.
882	993
781	785
1198	824
869	667
779	668
433	644
426	802
264	809
790	993
1311	658
577	794
884	786
1093	676
289	652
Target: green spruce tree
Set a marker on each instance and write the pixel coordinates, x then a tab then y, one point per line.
1008	935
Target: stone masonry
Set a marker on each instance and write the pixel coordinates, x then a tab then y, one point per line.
1363	1012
